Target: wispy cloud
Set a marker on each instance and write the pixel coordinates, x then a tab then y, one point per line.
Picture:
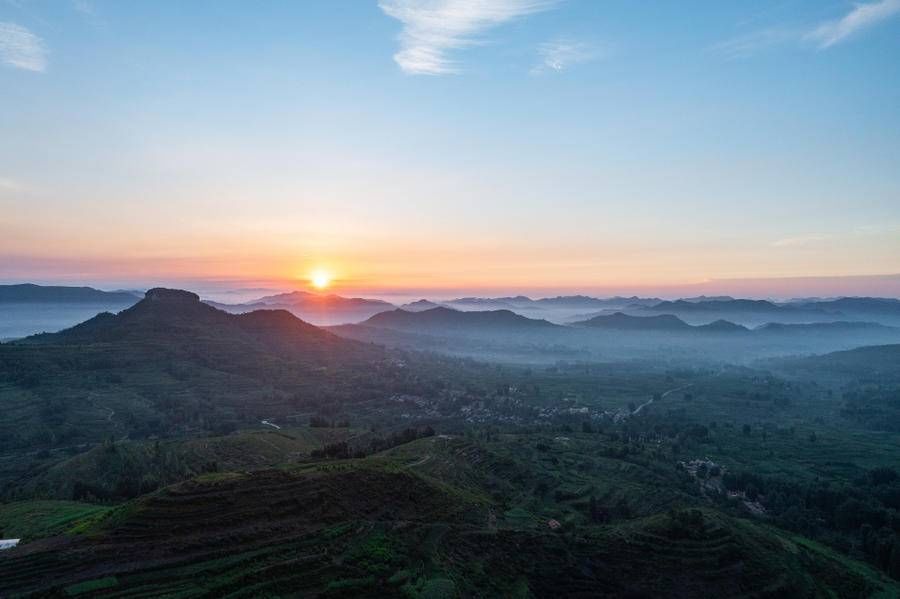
13	187
434	28
747	45
863	16
83	6
558	55
823	35
800	241
22	49
8	184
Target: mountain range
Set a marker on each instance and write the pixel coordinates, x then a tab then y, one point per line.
317	308
449	320
30	293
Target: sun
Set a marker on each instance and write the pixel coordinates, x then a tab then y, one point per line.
320	278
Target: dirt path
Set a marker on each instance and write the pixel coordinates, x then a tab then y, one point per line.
663	396
419	462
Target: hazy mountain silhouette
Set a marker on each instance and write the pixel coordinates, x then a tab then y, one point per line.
30	293
450	319
419	305
660	323
317	308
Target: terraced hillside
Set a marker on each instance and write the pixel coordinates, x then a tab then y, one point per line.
127	469
429	519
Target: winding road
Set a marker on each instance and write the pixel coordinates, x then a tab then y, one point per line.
663	396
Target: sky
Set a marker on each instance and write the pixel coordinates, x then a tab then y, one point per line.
533	146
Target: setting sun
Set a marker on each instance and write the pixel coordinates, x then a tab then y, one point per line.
320	279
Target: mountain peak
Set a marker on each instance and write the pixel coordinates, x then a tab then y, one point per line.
161	294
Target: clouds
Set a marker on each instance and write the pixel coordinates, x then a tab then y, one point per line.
432	29
823	36
83	6
747	45
863	16
559	55
22	49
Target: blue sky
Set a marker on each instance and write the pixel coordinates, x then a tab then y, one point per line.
507	143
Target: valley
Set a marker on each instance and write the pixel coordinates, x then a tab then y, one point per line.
183	450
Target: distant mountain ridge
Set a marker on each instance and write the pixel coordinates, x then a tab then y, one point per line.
31	293
317	308
442	317
660	323
420	305
581	302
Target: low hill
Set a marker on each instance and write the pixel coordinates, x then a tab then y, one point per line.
697	305
388	526
623	322
665	323
879	363
450	320
814	328
746	312
126	469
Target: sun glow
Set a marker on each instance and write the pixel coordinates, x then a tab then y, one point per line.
320	278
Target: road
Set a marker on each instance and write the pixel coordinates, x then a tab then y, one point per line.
420	461
663	396
272	424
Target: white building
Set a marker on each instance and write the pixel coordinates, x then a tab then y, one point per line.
8	543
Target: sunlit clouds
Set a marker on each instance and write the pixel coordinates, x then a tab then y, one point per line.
433	29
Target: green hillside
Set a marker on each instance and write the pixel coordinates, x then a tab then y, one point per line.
416	522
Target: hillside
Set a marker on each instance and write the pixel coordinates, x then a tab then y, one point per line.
418	521
623	322
451	321
171	364
875	363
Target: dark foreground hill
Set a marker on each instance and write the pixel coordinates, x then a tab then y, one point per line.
171	364
436	518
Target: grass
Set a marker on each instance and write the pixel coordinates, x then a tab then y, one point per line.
30	520
91	586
